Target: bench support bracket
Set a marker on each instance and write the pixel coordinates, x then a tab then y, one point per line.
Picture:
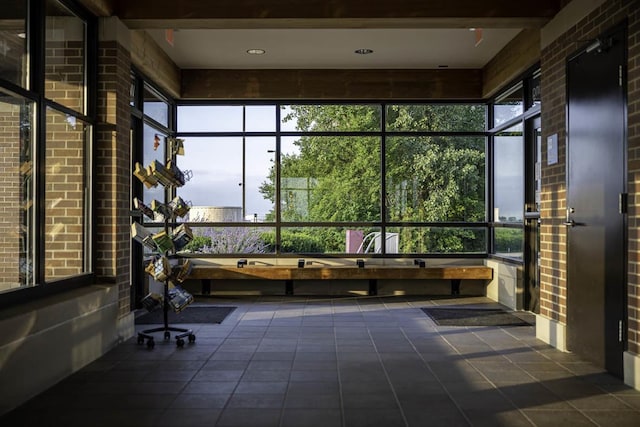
205	286
455	286
373	287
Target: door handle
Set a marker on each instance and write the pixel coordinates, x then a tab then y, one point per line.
568	221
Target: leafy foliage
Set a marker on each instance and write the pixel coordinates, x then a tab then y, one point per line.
333	178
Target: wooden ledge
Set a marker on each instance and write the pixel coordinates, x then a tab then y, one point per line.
340	272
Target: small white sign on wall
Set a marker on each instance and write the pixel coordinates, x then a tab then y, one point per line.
552	149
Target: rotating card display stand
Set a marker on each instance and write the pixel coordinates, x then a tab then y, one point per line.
164	245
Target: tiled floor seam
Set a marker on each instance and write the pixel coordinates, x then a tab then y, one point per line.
386	373
457	405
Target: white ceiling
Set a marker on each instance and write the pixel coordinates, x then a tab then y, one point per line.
332	48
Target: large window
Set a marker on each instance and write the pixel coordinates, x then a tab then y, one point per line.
66	196
16	192
369	178
65	57
511	111
46	131
13	42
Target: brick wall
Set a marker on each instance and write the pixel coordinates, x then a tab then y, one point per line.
553	233
113	169
10	200
65	183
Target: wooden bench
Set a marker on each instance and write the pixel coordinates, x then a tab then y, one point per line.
289	274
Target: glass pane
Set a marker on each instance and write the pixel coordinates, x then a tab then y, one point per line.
154	146
329	240
231	240
534	95
508	173
65	57
210	118
440	240
13	42
16	190
216	165
435	179
133	101
437	118
330	118
328	179
508	242
155	107
260	118
66	203
508	106
259	174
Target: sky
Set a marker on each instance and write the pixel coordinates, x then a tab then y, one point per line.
216	162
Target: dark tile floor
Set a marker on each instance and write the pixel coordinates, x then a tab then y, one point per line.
370	361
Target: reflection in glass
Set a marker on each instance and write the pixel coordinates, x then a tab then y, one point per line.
153	146
65	53
509	175
508	106
155	107
67	185
13	42
435	179
16	189
508	242
328	179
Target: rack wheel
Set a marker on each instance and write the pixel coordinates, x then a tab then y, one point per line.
140	339
167	336
151	344
192	338
180	342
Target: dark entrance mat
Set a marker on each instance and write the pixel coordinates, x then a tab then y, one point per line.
196	314
454	316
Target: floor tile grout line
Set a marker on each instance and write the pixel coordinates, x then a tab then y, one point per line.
520	410
343	419
428	366
541	383
386	374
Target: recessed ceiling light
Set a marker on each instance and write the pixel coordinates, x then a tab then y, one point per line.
363	51
22	35
256	51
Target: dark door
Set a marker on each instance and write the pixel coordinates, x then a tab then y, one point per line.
596	202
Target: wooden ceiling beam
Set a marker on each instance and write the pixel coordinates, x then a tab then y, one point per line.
334	13
332	84
99	7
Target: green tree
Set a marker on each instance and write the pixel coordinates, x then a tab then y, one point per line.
428	178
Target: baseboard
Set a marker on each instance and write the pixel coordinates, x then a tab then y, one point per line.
552	332
43	342
631	363
126	327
